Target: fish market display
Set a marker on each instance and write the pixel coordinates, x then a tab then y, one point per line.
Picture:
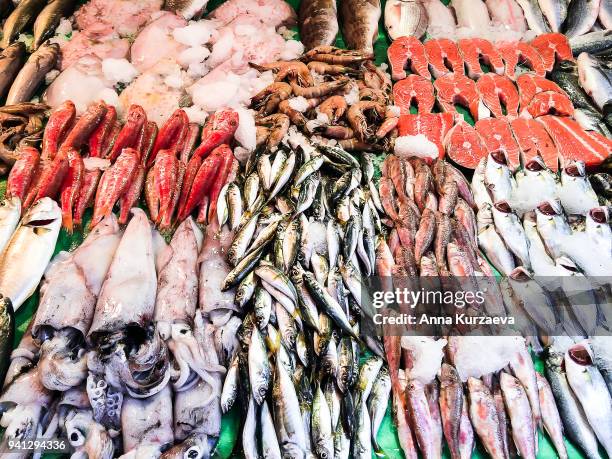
318	23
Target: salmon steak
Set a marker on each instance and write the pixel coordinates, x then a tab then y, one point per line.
550	103
533	140
456	89
499	95
529	85
574	143
552	47
443	56
407	53
464	146
433	126
497	135
515	53
414	89
478	50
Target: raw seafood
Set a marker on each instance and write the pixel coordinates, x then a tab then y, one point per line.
318	23
464	146
443	57
456	89
552	47
405	19
514	53
533	140
499	95
497	135
414	89
359	23
475	50
407	52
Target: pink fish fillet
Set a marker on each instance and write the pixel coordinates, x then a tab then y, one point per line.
533	140
574	143
552	46
529	85
443	56
464	146
433	126
414	89
407	52
550	103
497	135
456	89
498	93
515	53
507	13
477	50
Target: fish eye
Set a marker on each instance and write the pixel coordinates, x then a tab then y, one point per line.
193	453
76	438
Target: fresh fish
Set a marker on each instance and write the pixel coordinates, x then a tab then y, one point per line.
189	9
521	420
595	77
576	194
581	15
249	434
29	250
321	425
605	14
576	426
590	389
552	226
495	249
33	73
451	407
555	12
10	212
523	369
49	18
483	414
7	333
404	18
12	59
535	175
21	17
362	440
472	14
378	401
598	42
498	177
269	443
260	372
550	416
512	232
359	20
318	23
508	14
533	15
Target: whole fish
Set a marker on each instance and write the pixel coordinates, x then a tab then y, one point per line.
249	434
21	17
11	61
596	43
321	425
405	18
533	16
590	388
269	443
378	401
451	406
422	420
508	14
555	12
29	250
517	406
581	15
33	73
495	249
483	414
512	232
550	416
189	9
595	76
576	193
259	367
575	423
498	177
49	18
7	333
318	23
605	14
359	20
10	212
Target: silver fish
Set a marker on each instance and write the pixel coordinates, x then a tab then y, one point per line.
378	401
249	432
555	12
533	15
595	43
49	18
595	76
511	230
581	15
260	371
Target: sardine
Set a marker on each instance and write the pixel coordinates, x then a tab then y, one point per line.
48	19
249	434
19	19
260	371
269	443
581	15
318	23
405	18
377	403
11	60
33	73
29	250
359	20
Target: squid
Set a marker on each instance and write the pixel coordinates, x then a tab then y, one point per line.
23	357
68	299
128	356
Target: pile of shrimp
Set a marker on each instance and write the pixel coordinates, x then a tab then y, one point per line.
328	93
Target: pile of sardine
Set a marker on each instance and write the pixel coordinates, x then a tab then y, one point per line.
127	351
330	93
550	233
300	227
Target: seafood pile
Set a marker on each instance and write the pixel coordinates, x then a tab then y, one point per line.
299	228
330	94
94	161
514	110
497	20
20	124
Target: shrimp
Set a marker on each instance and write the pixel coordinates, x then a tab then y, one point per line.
294	70
334	108
383	80
376	95
294	115
268	99
338	132
358	120
333	55
278	125
390	123
355	144
321	90
324	68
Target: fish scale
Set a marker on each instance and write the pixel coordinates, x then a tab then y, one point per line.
515	53
497	135
552	46
475	50
455	88
443	56
497	90
414	89
407	52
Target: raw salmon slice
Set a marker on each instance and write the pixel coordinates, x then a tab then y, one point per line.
498	93
497	135
430	127
414	89
464	146
529	85
574	143
552	46
407	52
533	139
550	103
477	50
456	89
515	53
443	56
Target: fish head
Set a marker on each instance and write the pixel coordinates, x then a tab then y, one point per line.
599	215
520	274
503	207
10	206
44	214
581	354
448	375
550	208
575	169
498	157
193	447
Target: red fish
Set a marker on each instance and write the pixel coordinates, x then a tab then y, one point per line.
171	134
60	122
219	129
128	136
21	174
70	187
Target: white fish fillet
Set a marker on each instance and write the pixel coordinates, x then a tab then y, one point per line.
508	14
472	14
